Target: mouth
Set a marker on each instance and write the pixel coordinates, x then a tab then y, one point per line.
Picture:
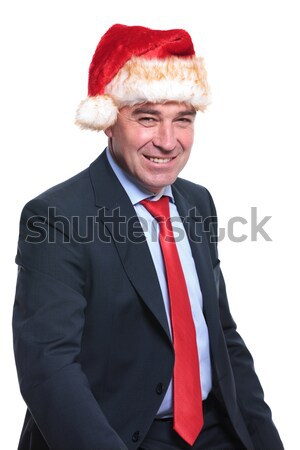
159	160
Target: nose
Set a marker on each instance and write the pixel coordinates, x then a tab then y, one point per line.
165	138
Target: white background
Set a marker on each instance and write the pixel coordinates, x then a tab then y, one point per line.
245	153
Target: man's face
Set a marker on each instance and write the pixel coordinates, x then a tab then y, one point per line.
153	141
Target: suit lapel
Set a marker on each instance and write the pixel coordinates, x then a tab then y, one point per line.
118	216
198	239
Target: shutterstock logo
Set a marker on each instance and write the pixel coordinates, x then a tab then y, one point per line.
254	226
109	226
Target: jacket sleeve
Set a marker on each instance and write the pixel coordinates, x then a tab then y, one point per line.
48	321
250	396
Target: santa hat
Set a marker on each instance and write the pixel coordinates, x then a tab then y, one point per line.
134	64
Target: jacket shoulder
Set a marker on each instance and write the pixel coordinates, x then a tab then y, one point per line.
189	186
68	196
67	187
197	194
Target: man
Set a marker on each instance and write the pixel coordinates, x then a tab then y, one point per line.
122	331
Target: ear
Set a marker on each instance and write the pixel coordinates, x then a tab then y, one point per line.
108	132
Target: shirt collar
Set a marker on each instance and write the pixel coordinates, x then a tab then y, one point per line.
134	190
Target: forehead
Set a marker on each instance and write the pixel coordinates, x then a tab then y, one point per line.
167	108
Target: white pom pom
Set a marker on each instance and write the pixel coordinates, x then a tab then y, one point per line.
96	113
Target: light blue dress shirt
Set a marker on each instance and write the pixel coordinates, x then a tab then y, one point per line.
150	227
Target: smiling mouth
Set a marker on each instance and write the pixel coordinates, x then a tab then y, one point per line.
159	160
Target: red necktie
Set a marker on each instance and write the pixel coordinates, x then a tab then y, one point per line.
188	415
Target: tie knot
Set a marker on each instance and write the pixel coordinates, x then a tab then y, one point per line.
159	209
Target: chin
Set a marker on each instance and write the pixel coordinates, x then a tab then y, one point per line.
154	188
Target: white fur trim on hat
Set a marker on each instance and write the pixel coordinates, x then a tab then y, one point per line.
160	80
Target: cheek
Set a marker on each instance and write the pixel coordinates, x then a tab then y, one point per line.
185	134
187	141
143	135
190	137
132	151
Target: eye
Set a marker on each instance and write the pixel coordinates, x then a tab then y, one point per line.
147	121
185	121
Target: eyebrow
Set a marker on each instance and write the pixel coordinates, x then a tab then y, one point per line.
154	112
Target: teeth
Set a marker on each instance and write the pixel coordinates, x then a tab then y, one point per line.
160	160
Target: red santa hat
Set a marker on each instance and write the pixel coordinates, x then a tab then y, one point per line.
134	64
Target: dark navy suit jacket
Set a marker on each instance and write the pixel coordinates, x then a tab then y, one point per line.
92	345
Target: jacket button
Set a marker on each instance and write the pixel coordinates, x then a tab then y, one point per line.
159	388
136	436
